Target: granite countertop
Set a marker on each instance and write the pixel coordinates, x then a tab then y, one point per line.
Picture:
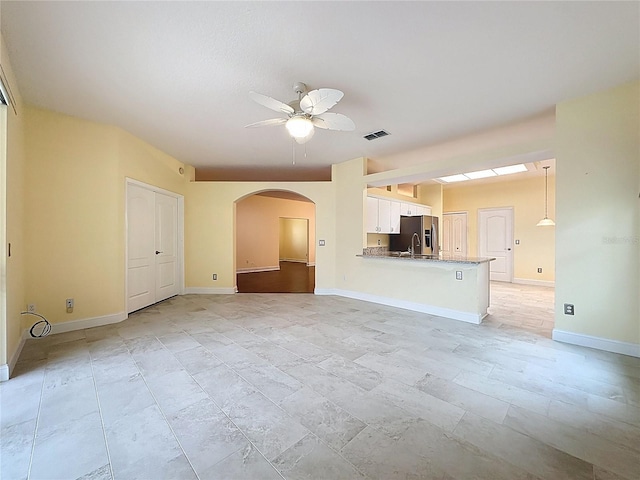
383	252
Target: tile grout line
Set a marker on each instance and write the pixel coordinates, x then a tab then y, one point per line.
104	430
274	403
35	430
159	408
219	407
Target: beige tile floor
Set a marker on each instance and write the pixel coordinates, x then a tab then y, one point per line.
262	386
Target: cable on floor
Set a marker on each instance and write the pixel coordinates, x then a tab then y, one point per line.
41	328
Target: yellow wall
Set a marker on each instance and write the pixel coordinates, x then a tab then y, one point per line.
537	244
258	229
75	204
210	234
294	243
598	214
12	223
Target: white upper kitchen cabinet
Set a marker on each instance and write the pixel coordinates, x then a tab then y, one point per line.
395	217
383	215
372	215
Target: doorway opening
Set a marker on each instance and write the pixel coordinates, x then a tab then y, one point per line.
275	243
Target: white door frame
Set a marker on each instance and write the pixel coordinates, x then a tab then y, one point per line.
180	245
510	236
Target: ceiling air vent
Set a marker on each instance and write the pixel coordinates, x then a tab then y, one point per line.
374	135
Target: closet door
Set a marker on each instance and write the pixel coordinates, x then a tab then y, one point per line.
141	261
166	239
152	247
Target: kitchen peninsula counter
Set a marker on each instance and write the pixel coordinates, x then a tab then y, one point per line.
377	252
450	286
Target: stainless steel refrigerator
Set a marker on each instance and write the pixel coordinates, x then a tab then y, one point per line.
426	226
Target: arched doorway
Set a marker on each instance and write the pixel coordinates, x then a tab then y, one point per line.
275	243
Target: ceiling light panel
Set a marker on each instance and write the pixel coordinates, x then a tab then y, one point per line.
480	174
454	178
510	169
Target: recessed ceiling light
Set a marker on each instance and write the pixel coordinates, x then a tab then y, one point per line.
480	174
510	169
454	178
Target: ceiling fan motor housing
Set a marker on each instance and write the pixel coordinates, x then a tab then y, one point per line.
299	88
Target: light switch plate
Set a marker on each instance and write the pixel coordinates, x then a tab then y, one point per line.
458	275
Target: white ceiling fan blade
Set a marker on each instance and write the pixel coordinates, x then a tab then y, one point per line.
319	101
271	103
266	123
334	121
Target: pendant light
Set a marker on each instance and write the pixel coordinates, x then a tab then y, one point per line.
546	221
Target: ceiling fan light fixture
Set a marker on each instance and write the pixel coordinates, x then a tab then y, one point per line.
299	127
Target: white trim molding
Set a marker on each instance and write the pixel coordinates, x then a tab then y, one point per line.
258	269
7	368
599	343
294	260
83	323
538	283
468	317
210	290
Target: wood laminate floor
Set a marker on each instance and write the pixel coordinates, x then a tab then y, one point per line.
292	277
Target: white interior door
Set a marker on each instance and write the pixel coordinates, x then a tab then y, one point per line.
152	247
454	233
141	262
495	227
166	243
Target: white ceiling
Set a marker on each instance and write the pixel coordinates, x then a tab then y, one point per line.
178	74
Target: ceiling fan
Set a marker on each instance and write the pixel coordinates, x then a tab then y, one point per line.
305	113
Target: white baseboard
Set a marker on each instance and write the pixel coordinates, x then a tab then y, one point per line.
83	323
539	283
257	269
6	369
294	260
210	290
413	306
599	343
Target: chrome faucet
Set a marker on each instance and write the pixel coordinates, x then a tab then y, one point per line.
413	249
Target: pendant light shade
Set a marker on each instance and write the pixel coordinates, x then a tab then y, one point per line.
546	221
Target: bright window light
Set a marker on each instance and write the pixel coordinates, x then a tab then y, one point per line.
454	178
510	169
480	174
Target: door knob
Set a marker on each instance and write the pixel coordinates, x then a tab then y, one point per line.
509	249
157	252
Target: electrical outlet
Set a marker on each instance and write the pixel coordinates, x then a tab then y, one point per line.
539	270
378	241
569	309
31	308
215	276
458	275
321	243
70	302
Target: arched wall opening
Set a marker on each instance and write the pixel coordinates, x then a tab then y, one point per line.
275	238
